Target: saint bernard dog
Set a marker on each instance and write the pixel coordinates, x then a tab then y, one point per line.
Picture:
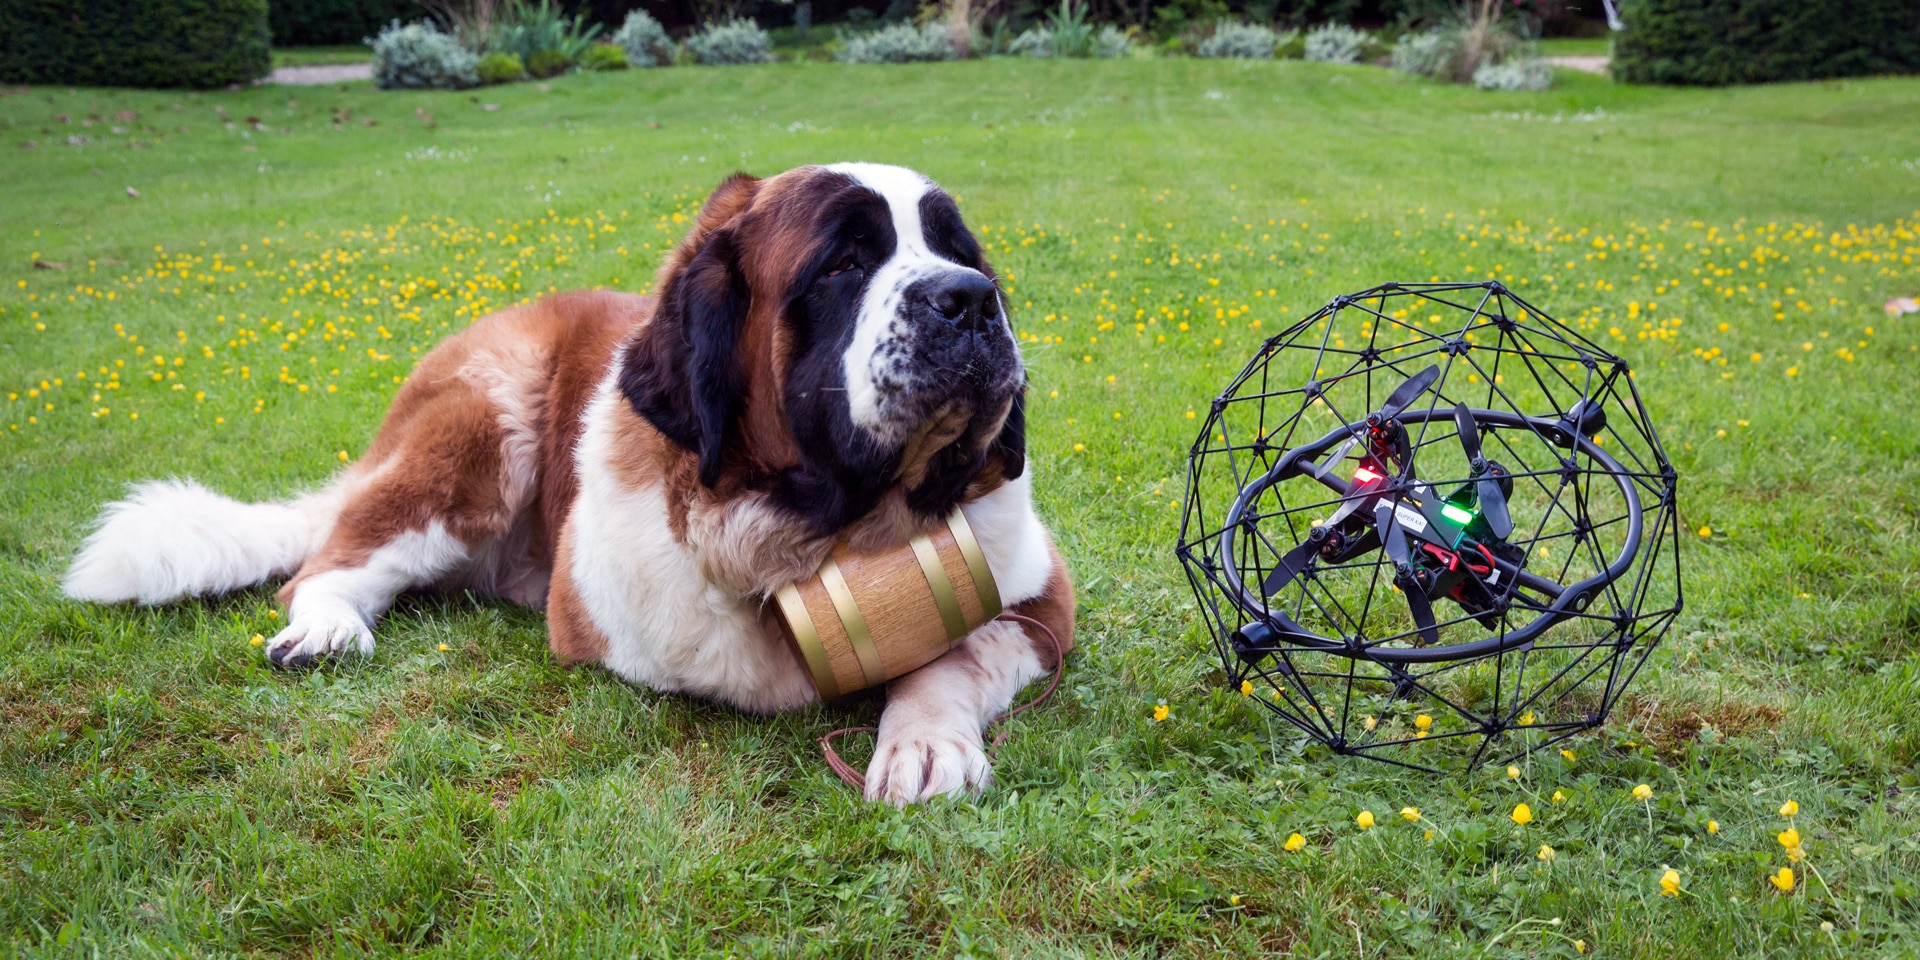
828	358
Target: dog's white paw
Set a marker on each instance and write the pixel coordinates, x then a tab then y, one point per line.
915	761
318	631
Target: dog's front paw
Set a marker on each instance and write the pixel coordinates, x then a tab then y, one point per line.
916	761
311	633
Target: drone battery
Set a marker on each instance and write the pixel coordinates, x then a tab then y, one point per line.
866	618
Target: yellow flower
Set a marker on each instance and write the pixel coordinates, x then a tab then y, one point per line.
1643	793
1526	719
1796	853
1522	814
1546	854
257	640
1159	712
1789	838
343	456
1559	797
1513	772
1713	826
1789	808
1234	900
1579	946
1429	834
1246	688
1706	531
1294	844
1365	819
1423	722
444	648
1670	883
1411	814
1567	755
1783	879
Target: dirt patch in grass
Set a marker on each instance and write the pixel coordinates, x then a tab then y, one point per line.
1668	726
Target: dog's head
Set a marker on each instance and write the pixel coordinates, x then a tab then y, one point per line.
831	333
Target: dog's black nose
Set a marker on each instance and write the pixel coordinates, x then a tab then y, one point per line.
966	300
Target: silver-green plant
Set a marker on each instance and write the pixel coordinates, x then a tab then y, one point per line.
418	56
1112	43
900	43
1238	40
644	40
1335	43
528	28
1428	54
1516	74
734	42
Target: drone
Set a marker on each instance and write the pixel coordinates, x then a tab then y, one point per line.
1494	540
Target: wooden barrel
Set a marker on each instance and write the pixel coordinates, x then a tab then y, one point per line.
866	618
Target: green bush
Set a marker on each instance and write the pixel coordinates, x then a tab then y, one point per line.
900	43
134	43
1718	42
418	57
604	56
733	42
306	23
501	67
645	42
548	63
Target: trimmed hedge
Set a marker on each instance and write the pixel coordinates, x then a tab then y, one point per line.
307	23
1719	42
134	43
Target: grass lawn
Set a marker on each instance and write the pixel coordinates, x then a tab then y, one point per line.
1576	47
321	56
248	316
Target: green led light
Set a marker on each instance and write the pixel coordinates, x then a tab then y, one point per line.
1456	514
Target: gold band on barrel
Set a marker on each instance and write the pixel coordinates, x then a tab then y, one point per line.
858	636
807	637
983	585
942	587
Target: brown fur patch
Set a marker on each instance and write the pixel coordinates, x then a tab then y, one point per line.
1053	607
571	634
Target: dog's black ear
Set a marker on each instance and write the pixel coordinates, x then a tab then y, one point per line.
1011	444
683	372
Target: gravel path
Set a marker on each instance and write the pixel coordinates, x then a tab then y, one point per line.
1583	64
318	75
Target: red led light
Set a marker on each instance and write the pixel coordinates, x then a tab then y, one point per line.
1365	476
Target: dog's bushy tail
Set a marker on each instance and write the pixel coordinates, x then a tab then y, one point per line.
171	539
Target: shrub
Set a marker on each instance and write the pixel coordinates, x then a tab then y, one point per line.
134	43
529	29
1428	54
500	67
1335	43
604	56
644	41
417	56
1717	42
900	43
1236	40
548	63
305	23
734	42
1519	73
1067	33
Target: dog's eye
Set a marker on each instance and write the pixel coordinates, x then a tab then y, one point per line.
846	263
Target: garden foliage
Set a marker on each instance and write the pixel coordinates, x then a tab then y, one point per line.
1519	73
305	23
501	67
1718	42
1239	40
644	40
1068	33
730	43
604	56
900	43
533	29
1335	43
134	43
417	55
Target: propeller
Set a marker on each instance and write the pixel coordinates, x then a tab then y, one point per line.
1493	500
1395	543
1291	564
1404	394
1325	469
